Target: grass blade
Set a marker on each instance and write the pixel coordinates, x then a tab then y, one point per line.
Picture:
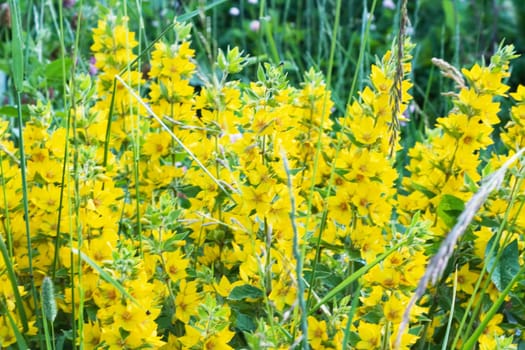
16	46
353	277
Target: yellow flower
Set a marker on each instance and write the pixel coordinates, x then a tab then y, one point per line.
92	335
365	130
186	301
370	336
394	308
316	332
224	287
283	293
466	279
7	335
256	198
117	340
339	206
219	340
175	265
50	170
487	340
157	145
130	317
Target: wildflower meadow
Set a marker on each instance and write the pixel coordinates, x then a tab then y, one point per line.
161	190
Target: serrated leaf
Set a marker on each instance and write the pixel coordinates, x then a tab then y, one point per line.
244	292
449	209
506	267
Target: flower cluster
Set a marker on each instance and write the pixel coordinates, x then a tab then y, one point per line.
181	210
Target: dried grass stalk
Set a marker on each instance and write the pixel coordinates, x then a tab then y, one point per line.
438	263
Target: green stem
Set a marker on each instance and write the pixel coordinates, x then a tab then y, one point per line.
491	252
353	277
298	257
469	344
318	151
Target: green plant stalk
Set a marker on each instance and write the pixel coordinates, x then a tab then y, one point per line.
77	330
321	12
262	6
353	277
179	142
457	38
135	130
14	284
184	17
108	126
487	281
469	344
318	154
360	71
181	18
25	202
386	333
337	148
77	225
483	270
271	42
16	46
68	123
66	107
360	59
7	223
104	275
297	255
351	313
451	316
47	336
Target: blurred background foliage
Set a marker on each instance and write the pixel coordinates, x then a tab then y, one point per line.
296	33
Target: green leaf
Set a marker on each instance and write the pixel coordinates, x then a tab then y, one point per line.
53	70
245	291
10	111
449	209
506	267
471	184
245	323
428	193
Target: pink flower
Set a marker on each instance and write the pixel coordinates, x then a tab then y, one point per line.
255	25
389	4
92	68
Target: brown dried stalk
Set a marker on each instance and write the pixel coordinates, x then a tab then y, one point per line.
397	94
